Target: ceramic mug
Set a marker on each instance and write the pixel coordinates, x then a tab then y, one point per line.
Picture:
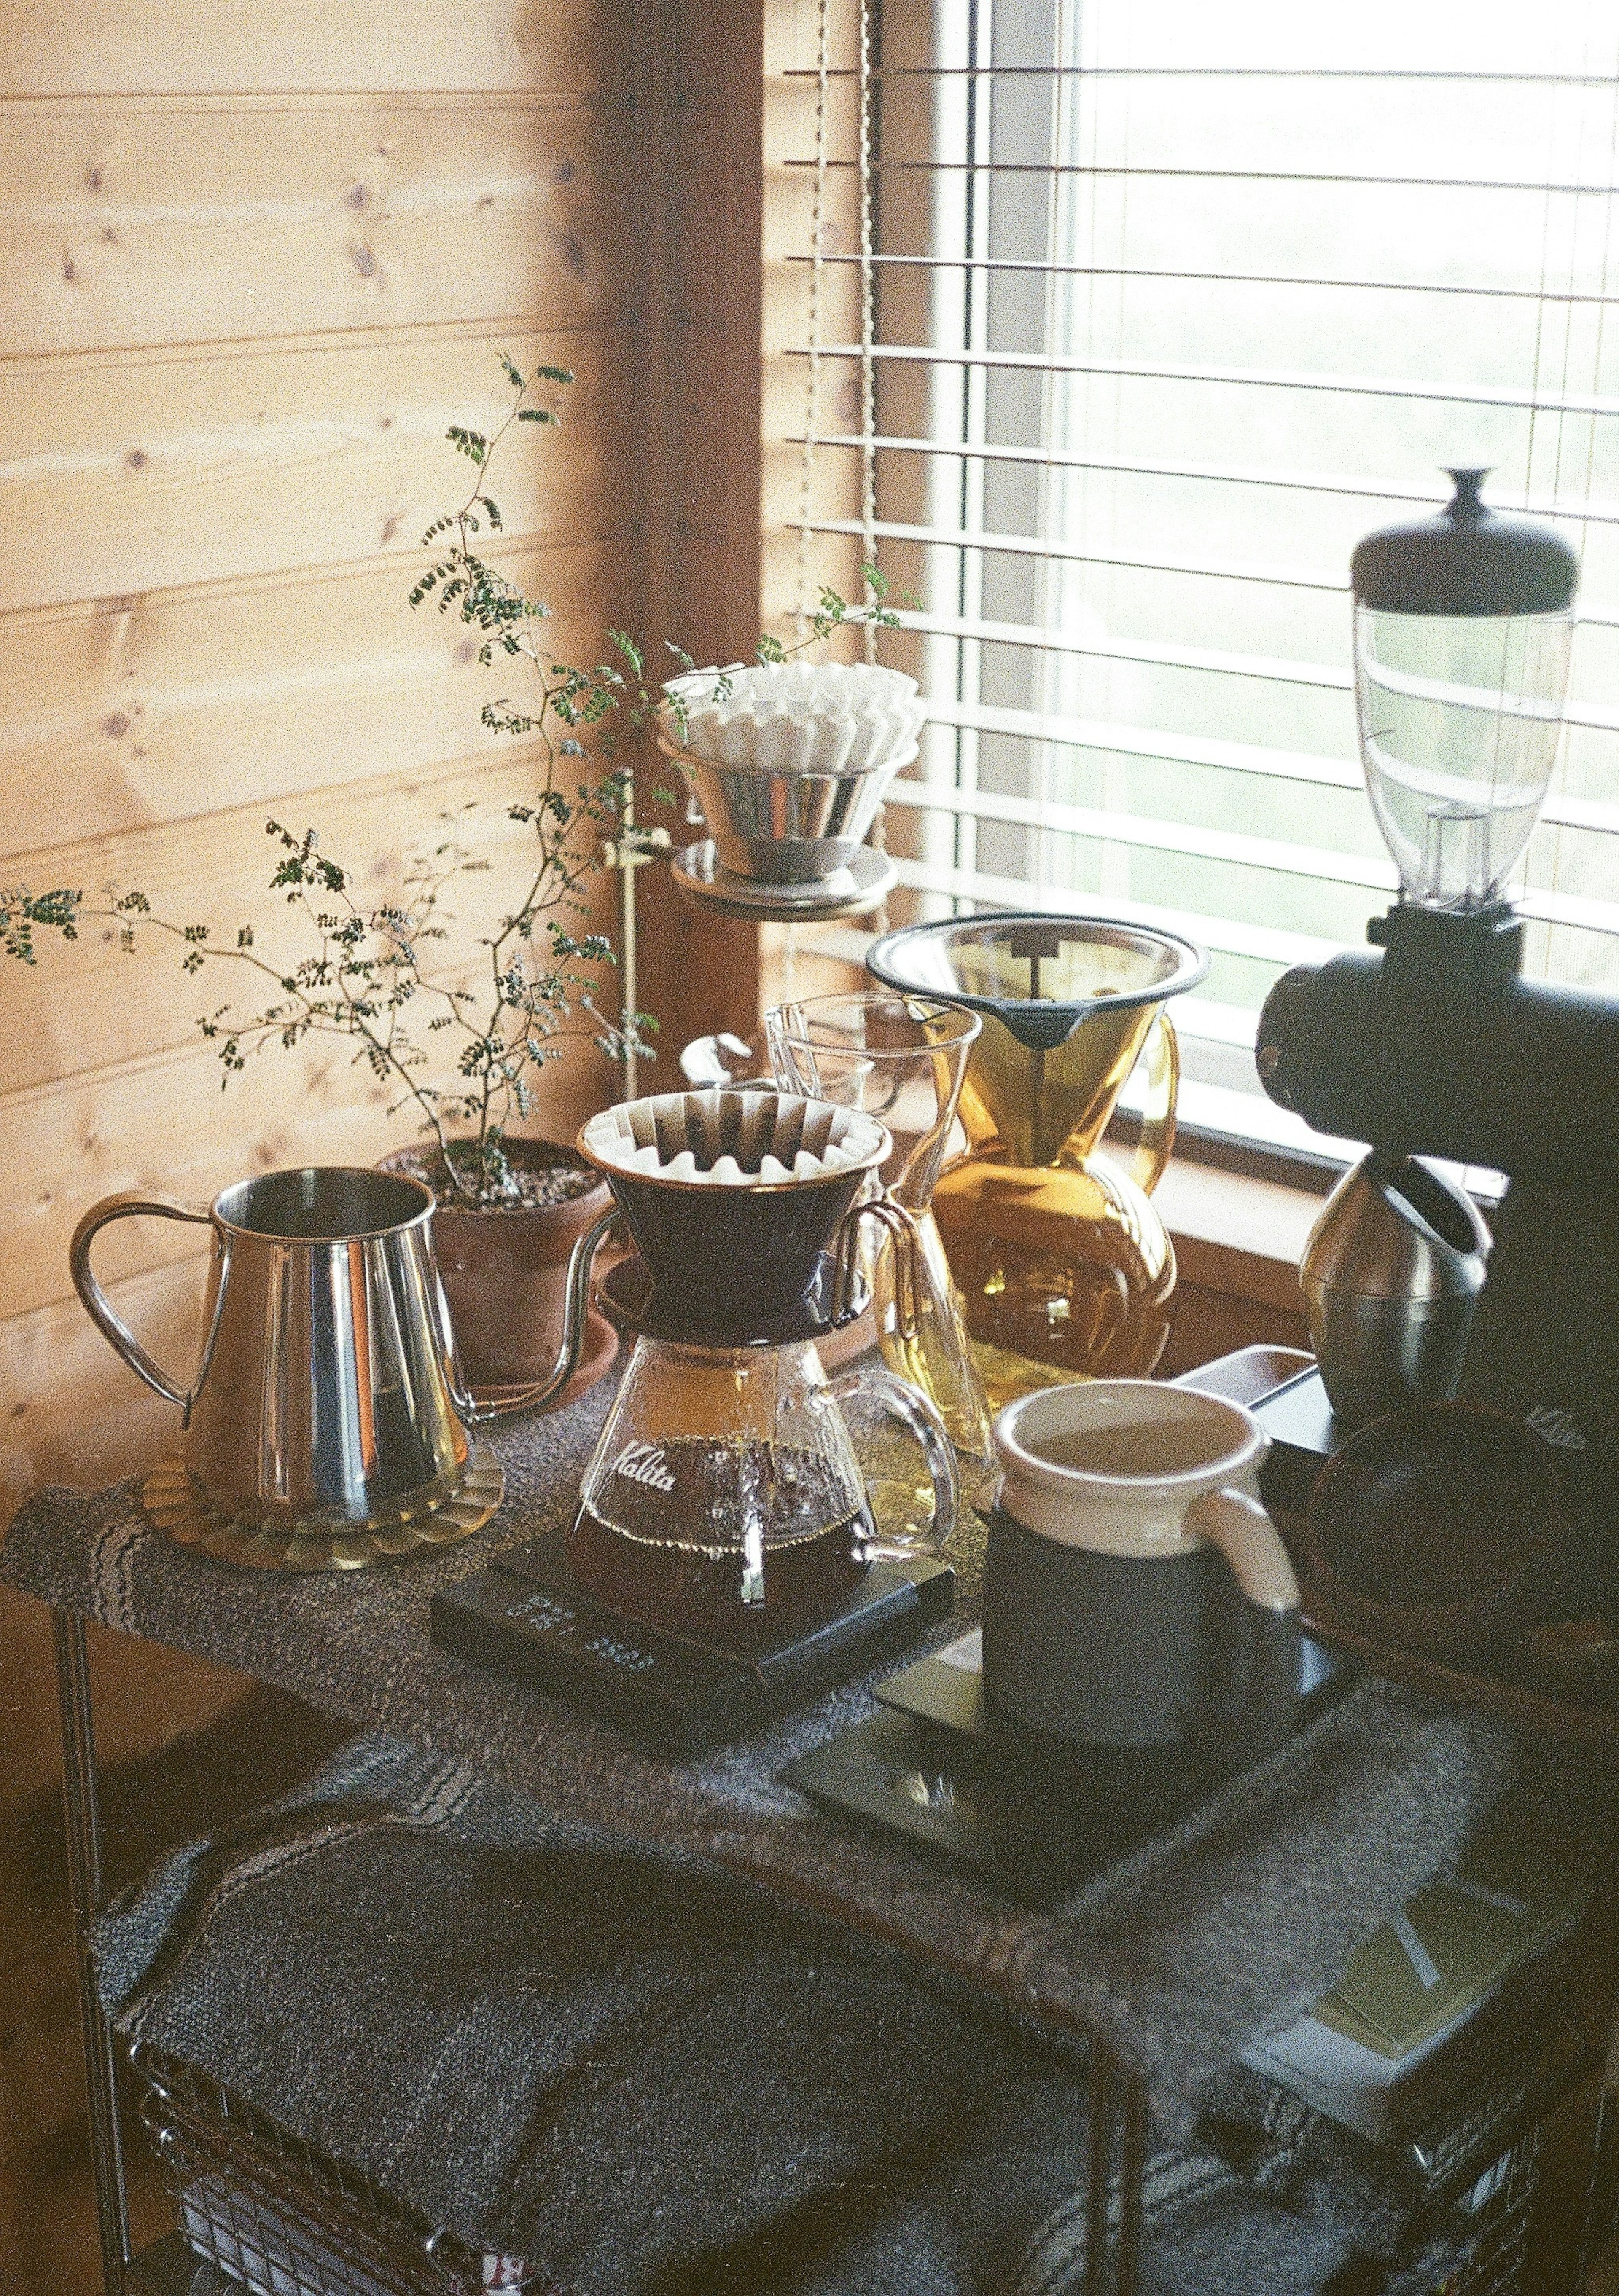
1137	1597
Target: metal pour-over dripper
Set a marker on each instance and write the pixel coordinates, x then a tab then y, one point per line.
725	1499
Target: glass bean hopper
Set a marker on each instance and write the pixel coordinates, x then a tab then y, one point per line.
1464	624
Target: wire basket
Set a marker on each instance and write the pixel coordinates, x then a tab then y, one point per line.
275	2214
279	2216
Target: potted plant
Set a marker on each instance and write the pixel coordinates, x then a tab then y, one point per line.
461	1050
463	1053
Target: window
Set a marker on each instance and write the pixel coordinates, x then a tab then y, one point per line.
1112	327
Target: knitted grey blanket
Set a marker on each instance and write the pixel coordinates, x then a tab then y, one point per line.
1227	1926
649	2081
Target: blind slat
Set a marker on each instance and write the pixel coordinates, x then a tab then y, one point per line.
1244	378
1024	545
1262	941
1041	458
1442	73
1117	739
1265	943
1163	657
1134	171
1024	264
1107	826
1028	545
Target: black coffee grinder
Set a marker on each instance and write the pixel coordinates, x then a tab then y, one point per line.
1437	1044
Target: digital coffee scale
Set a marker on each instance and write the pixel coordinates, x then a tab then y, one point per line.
527	1616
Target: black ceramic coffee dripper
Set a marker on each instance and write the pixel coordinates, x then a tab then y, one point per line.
725	1499
734	1200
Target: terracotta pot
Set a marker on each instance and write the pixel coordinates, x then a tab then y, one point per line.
505	1275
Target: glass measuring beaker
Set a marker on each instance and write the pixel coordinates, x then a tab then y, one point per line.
902	1060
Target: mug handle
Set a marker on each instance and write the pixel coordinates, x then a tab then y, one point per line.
921	1421
98	1307
1237	1525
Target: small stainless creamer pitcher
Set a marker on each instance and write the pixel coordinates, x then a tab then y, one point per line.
328	1393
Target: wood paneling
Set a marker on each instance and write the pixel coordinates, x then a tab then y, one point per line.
126	223
700	396
120	475
92	1421
254	258
114	48
88	1005
164	1123
123	713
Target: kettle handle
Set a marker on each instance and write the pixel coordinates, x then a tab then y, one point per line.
98	1307
576	1311
1238	1526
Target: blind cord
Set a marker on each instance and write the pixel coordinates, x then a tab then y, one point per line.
817	256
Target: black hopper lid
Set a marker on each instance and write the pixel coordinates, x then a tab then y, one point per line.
1469	560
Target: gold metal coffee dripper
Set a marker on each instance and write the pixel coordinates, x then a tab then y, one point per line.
1063	1266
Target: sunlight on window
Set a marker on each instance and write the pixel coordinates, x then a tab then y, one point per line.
1168	307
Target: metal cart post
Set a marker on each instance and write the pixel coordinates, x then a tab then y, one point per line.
81	1813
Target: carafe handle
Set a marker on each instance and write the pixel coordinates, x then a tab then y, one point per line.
906	1243
920	1420
1160	1056
111	1326
1237	1525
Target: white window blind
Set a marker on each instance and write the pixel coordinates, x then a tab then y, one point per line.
1116	325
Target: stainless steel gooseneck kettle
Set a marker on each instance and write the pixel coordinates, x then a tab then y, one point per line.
1390	1273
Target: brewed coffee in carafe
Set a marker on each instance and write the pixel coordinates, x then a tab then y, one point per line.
725	1499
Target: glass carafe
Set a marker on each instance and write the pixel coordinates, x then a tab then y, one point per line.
902	1060
1063	1266
726	1499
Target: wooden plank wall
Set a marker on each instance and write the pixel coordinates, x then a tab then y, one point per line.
254	258
248	279
701	73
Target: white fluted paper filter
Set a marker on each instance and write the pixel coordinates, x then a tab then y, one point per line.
795	716
733	1138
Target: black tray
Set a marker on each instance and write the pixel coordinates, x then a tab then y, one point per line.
527	1616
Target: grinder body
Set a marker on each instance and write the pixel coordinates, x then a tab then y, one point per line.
1523	1076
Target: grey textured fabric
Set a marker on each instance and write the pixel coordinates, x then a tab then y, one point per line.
649	2082
1228	1926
